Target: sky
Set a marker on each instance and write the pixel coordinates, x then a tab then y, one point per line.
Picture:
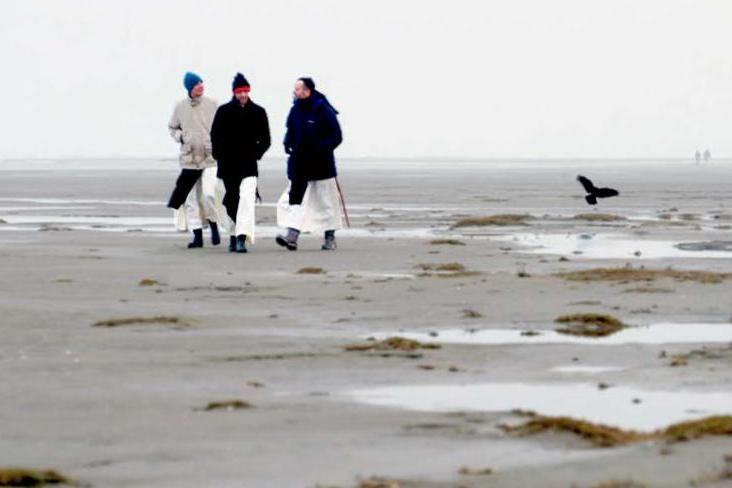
411	78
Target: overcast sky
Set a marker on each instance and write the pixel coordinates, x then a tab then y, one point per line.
483	78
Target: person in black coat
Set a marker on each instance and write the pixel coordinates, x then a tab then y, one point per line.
313	133
239	138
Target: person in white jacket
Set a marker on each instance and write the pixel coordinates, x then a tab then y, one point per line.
190	126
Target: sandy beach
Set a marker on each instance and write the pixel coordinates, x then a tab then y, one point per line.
120	405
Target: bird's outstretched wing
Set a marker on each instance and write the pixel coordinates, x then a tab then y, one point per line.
586	184
606	192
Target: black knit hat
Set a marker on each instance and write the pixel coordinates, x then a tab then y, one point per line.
239	82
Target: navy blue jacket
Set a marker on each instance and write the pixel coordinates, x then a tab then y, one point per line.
239	138
312	135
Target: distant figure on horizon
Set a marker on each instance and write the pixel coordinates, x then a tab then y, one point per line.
697	157
312	201
593	193
190	126
707	156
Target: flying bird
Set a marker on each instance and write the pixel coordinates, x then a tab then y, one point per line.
593	193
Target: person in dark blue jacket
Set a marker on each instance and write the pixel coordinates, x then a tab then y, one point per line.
312	202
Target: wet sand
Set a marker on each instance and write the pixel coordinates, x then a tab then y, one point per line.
125	406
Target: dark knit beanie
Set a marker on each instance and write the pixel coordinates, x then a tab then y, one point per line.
239	82
190	80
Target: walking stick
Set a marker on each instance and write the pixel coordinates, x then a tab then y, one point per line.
343	203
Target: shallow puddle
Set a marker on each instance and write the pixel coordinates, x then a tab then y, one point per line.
624	407
662	333
609	246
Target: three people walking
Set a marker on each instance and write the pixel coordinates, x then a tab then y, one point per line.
227	143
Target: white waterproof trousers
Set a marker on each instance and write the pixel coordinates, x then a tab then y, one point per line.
203	191
245	218
319	211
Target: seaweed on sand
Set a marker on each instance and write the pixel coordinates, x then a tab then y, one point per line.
391	344
31	477
607	436
446	242
227	405
497	220
629	274
140	320
589	324
311	270
599	217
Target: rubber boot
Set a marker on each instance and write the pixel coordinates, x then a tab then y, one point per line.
215	237
241	243
289	240
329	243
197	239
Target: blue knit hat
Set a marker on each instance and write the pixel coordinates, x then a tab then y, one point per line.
190	80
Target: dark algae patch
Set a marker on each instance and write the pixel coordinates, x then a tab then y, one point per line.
391	344
495	220
31	477
607	436
589	324
629	274
227	405
164	320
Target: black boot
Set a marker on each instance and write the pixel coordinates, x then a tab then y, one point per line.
215	237
197	239
289	240
329	243
241	243
232	243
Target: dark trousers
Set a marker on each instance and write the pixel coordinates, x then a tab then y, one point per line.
231	197
183	186
297	191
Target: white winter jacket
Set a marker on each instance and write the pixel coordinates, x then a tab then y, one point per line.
190	126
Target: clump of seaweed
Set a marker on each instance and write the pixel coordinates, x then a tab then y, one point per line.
3	221
139	320
148	282
619	484
589	324
694	429
311	270
465	471
227	405
599	217
629	274
441	267
497	220
598	434
607	436
445	270
471	314
706	352
31	477
446	242
379	482
648	289
391	344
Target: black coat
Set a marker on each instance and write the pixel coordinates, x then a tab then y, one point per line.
313	133
239	138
